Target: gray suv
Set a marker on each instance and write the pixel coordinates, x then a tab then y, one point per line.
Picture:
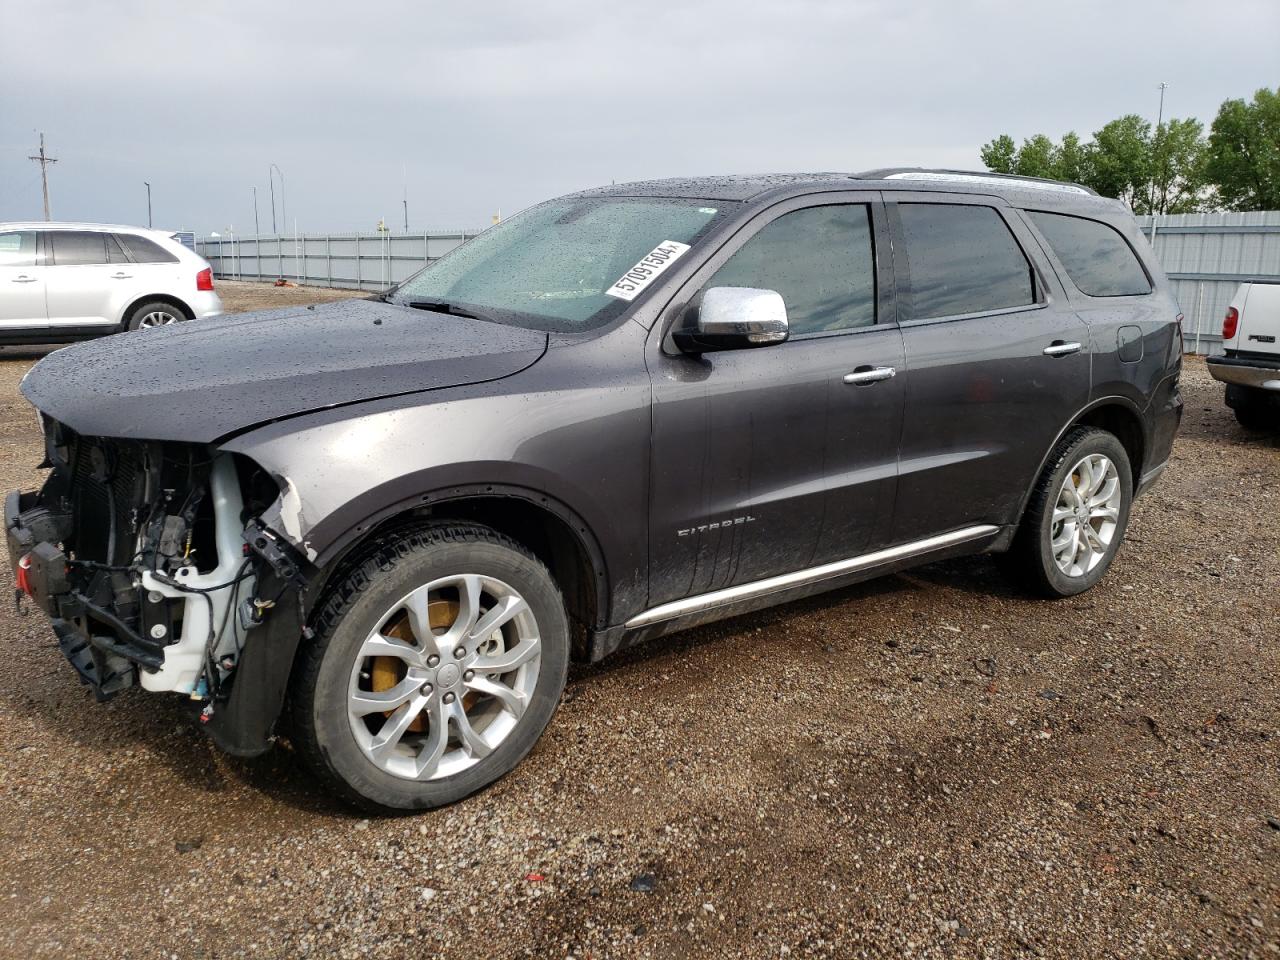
384	528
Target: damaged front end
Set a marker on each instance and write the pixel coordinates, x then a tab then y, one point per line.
155	568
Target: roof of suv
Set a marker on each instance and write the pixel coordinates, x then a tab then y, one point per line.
68	225
1020	190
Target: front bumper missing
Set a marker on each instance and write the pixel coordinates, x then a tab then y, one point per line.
102	649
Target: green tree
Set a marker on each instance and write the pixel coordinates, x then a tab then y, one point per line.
1070	159
1119	161
1178	159
1243	162
998	156
1035	157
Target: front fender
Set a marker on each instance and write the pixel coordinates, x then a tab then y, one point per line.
583	451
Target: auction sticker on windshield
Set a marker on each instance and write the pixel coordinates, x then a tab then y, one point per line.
650	267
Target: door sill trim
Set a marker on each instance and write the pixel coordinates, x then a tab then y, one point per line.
800	578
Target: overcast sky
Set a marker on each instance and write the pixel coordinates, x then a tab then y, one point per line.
497	104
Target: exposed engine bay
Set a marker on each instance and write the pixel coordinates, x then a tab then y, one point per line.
150	560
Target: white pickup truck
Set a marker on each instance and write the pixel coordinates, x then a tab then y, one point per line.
1251	366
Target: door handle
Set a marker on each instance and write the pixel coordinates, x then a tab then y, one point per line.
121	276
1060	348
23	278
865	375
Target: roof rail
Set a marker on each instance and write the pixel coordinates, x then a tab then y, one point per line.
975	176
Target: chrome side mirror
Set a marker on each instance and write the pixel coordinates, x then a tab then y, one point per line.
731	318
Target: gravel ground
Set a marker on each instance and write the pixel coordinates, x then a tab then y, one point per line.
926	765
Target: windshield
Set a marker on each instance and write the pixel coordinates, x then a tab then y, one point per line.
564	265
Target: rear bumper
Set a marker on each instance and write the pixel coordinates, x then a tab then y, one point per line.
206	303
1247	372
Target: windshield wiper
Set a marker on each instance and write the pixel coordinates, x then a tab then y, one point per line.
443	306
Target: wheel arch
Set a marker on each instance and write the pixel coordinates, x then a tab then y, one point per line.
549	528
168	298
1120	417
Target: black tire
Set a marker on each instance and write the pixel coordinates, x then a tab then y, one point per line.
1256	419
154	308
353	607
1030	560
1252	408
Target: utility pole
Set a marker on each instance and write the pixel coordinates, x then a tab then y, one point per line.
148	186
404	178
1159	123
255	210
44	160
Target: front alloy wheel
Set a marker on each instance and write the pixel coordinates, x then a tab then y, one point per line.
445	677
438	660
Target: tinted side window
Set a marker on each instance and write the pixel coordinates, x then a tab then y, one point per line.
1096	257
145	251
74	247
18	249
822	262
115	252
962	259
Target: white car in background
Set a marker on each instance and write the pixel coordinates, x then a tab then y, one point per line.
1251	365
72	281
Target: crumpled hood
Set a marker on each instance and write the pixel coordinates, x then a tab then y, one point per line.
205	379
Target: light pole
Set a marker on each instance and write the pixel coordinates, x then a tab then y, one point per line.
284	211
1159	123
148	204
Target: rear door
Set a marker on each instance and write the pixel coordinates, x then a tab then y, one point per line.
89	278
764	460
22	282
153	269
996	361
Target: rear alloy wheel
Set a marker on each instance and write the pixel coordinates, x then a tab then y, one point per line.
157	314
1075	520
437	663
1086	516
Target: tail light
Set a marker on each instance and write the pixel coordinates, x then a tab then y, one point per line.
204	279
1230	323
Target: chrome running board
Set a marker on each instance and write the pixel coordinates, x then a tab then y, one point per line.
800	578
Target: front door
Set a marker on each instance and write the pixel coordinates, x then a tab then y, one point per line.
22	303
997	362
766	461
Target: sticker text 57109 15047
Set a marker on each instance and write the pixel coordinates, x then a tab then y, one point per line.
650	267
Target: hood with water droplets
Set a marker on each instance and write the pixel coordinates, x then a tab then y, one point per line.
207	379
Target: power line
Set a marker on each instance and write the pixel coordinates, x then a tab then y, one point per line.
44	160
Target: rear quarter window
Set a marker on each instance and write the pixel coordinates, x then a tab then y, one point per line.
143	250
1096	257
